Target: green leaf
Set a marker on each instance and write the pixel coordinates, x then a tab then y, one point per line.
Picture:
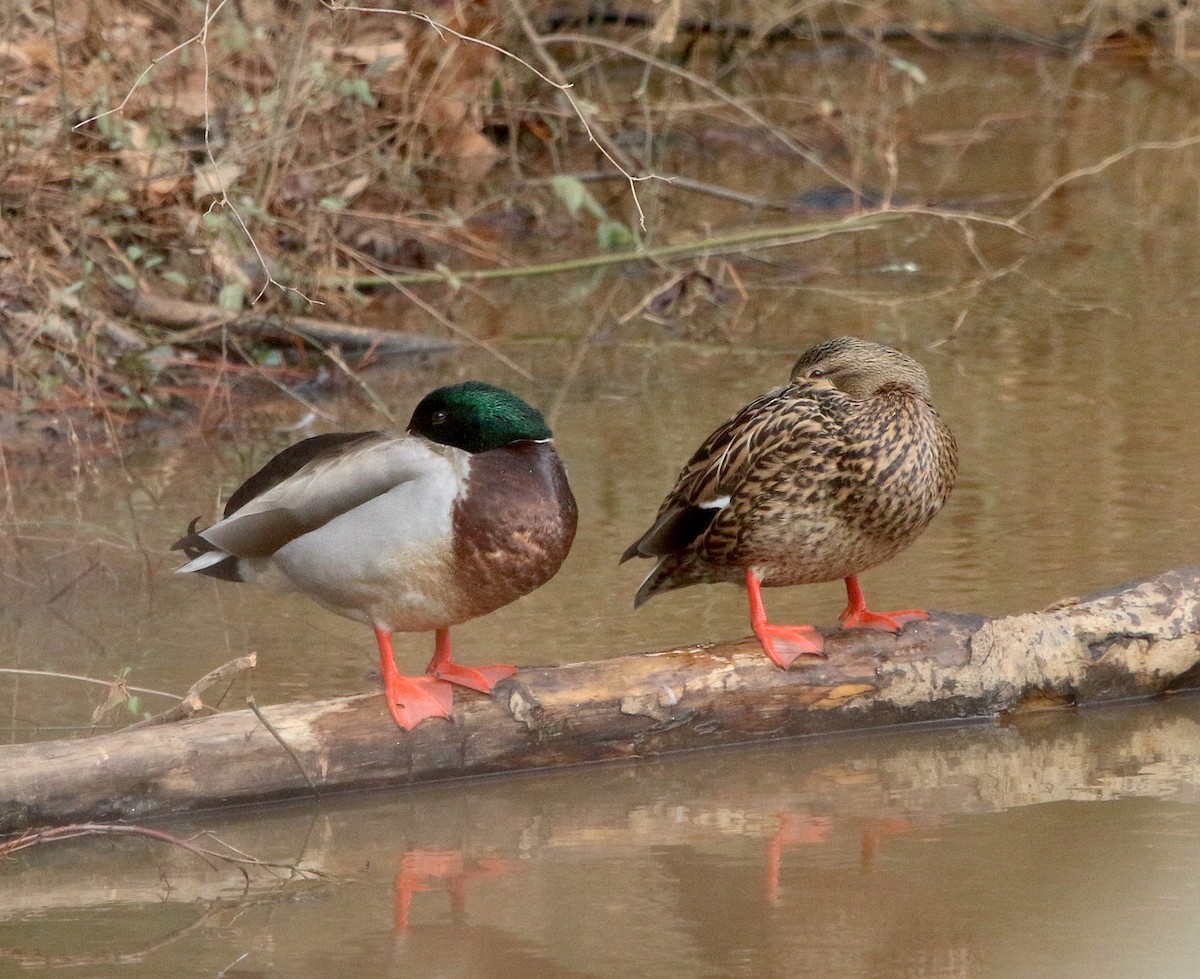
570	191
232	296
332	203
215	221
358	88
177	277
613	235
125	282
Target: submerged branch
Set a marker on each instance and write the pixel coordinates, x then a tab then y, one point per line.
772	237
242	861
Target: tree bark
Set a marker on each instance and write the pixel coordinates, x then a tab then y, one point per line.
1135	641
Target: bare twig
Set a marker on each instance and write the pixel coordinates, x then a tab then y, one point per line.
770	237
552	76
192	704
707	85
600	317
605	143
334	356
209	16
224	200
36	837
86	679
1079	173
250	702
200	38
276	383
396	283
441	29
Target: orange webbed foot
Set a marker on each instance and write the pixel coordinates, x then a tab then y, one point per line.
863	618
481	678
858	616
784	644
412	699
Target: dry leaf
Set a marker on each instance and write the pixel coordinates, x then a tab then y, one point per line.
189	96
215	179
118	696
841	693
473	154
354	188
667	26
368	54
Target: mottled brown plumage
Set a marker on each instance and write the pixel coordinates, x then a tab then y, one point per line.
828	476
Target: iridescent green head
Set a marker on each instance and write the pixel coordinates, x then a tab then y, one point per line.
475	416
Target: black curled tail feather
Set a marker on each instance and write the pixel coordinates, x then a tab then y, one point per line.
193	545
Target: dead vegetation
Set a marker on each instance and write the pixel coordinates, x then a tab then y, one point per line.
192	195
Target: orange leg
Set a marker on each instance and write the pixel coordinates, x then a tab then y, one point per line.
858	616
481	678
410	699
783	643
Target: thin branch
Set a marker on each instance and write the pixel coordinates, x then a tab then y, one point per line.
605	143
201	38
334	356
553	76
35	837
759	237
224	200
715	90
250	702
209	16
87	679
1090	171
397	283
441	29
191	703
283	388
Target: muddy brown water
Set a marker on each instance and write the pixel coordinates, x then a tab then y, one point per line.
1063	846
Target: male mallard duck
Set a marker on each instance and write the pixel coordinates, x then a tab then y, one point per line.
830	475
467	511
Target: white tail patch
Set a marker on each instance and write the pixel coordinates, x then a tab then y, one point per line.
205	560
718	504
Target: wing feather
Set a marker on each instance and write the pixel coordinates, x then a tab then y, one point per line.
321	489
770	432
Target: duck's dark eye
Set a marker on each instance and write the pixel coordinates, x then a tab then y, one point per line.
438	418
816	372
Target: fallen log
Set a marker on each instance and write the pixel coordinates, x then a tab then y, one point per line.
205	319
893	784
1136	641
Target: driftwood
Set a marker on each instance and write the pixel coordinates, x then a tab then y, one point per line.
204	318
1137	641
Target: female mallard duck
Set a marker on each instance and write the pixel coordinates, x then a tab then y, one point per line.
467	511
828	476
